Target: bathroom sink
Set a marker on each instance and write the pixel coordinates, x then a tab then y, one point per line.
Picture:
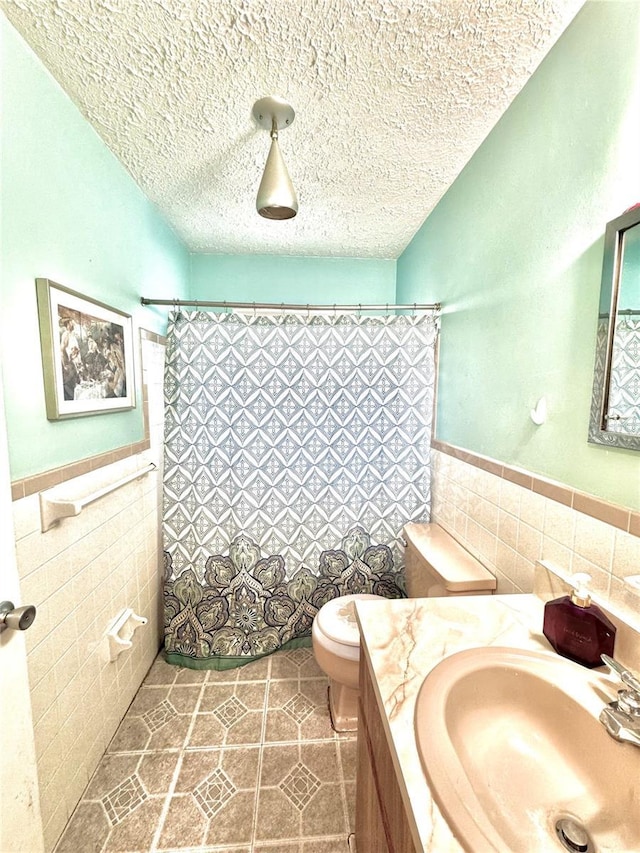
517	759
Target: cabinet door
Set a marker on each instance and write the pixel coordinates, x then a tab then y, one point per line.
381	821
370	832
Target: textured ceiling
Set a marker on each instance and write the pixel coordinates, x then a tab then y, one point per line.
392	98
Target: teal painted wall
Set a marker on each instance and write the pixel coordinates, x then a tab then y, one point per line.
275	278
514	251
70	213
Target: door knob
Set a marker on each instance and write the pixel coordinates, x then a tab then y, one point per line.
18	618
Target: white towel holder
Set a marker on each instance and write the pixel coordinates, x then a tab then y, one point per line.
54	507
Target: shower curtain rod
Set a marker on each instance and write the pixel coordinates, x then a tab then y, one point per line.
287	306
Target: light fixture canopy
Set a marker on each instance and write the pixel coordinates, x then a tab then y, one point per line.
276	196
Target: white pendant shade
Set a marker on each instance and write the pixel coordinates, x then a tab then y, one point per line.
276	196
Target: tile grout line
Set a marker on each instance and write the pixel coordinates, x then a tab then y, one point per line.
263	735
155	842
301	838
343	790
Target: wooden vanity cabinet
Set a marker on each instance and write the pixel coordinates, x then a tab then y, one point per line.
381	823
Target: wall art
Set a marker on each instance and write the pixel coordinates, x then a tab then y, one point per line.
87	353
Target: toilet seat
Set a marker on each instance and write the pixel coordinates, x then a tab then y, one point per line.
337	619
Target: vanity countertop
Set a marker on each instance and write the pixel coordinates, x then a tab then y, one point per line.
403	640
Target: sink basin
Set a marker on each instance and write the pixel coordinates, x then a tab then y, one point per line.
517	760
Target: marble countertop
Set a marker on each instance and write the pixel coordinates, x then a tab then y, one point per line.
403	640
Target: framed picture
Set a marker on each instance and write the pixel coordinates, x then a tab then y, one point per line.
87	354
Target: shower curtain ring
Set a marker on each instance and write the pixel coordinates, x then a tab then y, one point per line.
414	309
359	310
254	310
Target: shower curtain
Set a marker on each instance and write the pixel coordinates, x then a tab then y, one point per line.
296	448
624	381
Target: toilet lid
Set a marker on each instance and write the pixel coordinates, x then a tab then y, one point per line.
337	618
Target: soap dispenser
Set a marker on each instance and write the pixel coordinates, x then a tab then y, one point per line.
578	629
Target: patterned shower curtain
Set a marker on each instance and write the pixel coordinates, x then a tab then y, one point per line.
296	448
624	387
624	381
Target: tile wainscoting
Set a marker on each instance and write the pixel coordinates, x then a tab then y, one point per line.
509	519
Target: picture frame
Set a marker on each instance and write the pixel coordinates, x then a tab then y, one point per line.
87	354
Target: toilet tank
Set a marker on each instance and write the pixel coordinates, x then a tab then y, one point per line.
437	565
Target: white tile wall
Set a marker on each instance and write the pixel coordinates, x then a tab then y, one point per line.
508	528
80	574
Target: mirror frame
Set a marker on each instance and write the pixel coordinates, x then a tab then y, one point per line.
609	290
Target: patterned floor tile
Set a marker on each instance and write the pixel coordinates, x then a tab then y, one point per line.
111	771
243	761
350	799
257	670
348	751
299	785
234	824
161	673
136	830
207	848
122	800
218	816
240	766
295	663
230	714
156	770
327	845
134	735
185	675
87	830
215	794
297	710
300	793
185	825
158	718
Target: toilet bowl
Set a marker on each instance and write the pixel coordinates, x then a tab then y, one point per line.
436	565
335	637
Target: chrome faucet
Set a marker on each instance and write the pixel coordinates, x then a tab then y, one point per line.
621	718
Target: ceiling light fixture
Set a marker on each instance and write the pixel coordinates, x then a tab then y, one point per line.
276	196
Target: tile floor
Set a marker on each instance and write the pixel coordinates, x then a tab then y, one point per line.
243	761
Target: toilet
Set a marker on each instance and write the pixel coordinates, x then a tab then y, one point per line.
335	637
435	566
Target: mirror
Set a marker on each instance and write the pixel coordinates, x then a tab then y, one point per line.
615	403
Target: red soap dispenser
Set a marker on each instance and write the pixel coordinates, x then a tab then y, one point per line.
578	629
